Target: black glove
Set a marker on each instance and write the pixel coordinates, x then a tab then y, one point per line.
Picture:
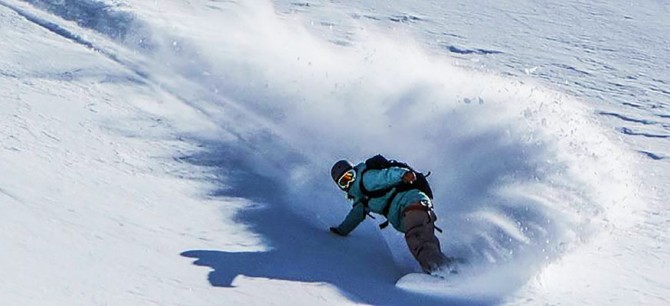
335	231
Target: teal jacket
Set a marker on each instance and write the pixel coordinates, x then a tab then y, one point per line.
378	180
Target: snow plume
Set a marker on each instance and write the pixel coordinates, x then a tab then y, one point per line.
521	174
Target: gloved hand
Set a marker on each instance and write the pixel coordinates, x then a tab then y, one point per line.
409	177
335	231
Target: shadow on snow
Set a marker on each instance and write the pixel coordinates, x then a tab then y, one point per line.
299	251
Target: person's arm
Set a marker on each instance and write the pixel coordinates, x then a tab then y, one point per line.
354	218
385	178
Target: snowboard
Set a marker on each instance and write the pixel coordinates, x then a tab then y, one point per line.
435	283
425	283
478	283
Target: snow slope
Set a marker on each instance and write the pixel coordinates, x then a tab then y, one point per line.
142	137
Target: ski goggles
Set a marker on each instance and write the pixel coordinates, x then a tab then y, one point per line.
344	182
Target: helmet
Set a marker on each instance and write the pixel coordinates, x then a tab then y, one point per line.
339	168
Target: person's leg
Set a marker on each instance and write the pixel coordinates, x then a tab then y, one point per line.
421	240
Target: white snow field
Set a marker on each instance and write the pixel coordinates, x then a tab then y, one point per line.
178	152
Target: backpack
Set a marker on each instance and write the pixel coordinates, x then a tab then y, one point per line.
379	162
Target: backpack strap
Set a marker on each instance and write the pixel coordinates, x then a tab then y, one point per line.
385	212
400	187
371	194
376	194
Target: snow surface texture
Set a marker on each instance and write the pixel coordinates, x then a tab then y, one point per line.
140	137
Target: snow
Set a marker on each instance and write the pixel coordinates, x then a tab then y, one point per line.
177	152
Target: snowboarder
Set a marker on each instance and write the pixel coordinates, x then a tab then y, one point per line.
397	192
